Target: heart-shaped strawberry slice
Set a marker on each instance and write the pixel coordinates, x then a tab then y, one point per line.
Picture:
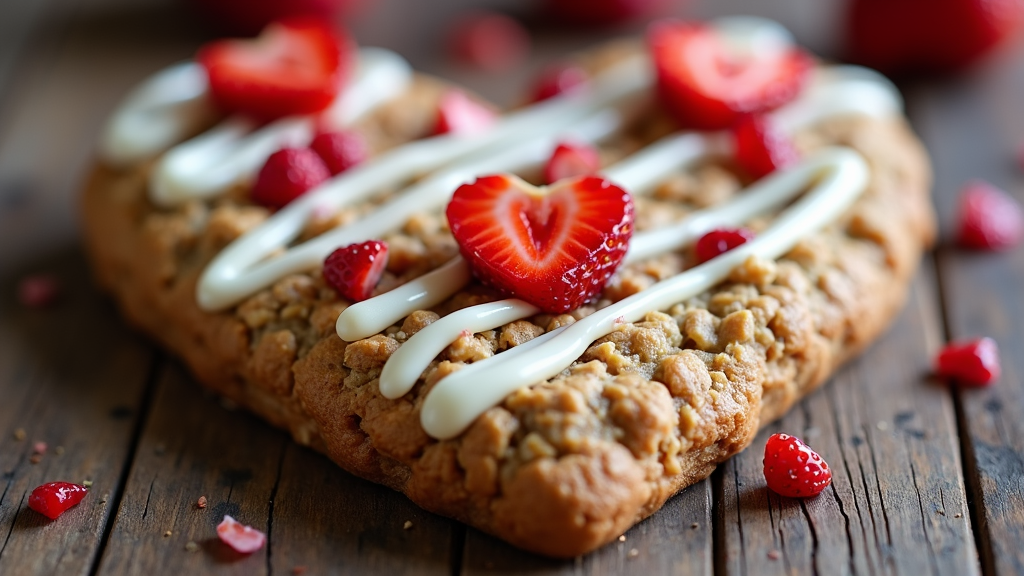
554	247
707	83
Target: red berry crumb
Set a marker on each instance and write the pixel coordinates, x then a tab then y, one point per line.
241	538
355	269
288	174
720	241
792	469
341	150
761	147
571	159
38	291
39	448
488	41
201	503
53	499
458	114
559	79
990	219
973	363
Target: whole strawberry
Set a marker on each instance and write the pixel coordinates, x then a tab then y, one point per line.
792	469
901	36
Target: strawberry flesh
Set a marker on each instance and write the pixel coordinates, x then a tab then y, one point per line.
973	363
704	85
458	114
54	498
288	174
355	270
792	469
912	36
241	538
571	159
761	148
296	66
341	150
989	218
556	248
718	242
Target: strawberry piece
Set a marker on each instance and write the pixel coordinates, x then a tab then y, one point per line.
554	247
288	174
974	363
557	80
38	291
707	86
792	469
341	150
571	159
989	218
355	269
488	41
53	499
295	66
601	12
720	241
458	114
761	147
901	36
241	538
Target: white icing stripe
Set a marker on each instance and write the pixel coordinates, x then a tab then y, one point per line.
403	369
167	108
238	272
458	399
847	90
233	151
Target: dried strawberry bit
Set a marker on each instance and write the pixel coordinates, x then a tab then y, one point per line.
53	499
488	41
559	79
457	113
355	270
989	218
571	159
38	291
201	503
554	247
761	148
296	66
341	150
241	538
971	363
706	85
288	174
792	469
718	242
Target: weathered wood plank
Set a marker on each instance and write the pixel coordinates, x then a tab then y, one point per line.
675	540
972	127
74	377
897	502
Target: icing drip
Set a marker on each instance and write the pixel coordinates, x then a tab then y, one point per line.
838	177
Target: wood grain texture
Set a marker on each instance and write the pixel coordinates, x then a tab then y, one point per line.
72	376
973	126
675	540
897	504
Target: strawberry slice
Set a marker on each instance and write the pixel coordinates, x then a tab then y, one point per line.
571	159
554	247
458	114
296	66
355	270
761	148
706	85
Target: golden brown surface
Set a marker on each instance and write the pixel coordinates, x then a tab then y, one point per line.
564	466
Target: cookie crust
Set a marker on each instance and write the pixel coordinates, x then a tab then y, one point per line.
564	466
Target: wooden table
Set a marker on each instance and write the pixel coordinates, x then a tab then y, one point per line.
927	479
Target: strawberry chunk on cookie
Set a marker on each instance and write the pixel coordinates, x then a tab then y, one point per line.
761	148
706	83
571	159
355	270
554	247
296	66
